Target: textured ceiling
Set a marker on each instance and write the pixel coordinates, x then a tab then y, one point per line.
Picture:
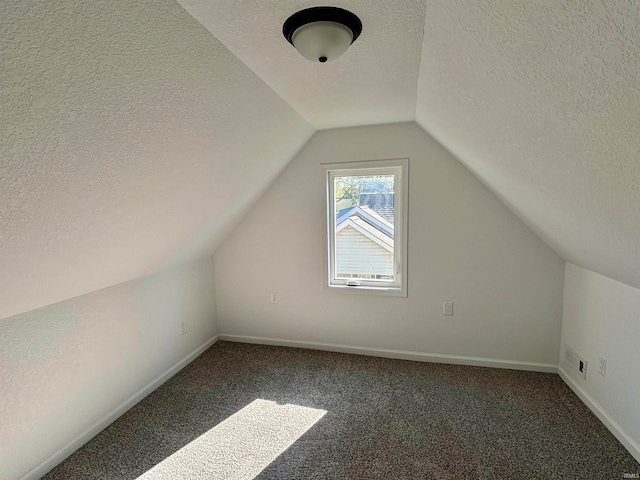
133	139
374	82
541	100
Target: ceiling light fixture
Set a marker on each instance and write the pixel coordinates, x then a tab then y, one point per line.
322	33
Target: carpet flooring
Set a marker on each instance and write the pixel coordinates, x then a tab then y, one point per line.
367	418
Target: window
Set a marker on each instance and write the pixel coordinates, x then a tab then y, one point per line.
367	226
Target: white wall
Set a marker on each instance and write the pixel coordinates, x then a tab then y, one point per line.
465	246
67	366
602	317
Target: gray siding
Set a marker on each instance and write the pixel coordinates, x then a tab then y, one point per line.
358	254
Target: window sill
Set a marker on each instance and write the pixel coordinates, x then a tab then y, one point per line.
365	290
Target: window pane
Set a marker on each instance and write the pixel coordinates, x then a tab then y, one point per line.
364	229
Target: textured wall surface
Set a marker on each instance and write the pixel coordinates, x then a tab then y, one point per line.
66	366
602	318
541	100
375	81
132	140
465	246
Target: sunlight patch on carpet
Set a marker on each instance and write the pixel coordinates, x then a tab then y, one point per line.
241	446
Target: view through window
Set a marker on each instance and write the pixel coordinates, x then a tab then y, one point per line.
366	225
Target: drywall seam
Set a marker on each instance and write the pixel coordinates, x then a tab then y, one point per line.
603	416
58	457
397	354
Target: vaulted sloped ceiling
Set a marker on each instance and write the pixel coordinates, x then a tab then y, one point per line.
132	140
541	100
375	82
135	135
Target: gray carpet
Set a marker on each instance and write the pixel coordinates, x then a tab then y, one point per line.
385	419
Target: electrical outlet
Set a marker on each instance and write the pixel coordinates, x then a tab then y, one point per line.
447	308
274	297
183	328
602	365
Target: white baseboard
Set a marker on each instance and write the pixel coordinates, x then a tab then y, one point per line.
398	354
596	408
54	460
51	462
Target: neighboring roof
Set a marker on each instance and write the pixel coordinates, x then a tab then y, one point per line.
370	224
381	203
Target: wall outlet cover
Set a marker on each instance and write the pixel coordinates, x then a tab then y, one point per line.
602	365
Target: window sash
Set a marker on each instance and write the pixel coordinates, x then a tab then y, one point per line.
397	168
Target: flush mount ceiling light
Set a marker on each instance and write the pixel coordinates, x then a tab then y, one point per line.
322	33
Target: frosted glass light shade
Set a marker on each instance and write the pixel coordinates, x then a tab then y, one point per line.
321	34
322	41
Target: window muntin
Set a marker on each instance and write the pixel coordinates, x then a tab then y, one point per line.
366	226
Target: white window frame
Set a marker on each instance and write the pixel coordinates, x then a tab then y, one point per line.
397	287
